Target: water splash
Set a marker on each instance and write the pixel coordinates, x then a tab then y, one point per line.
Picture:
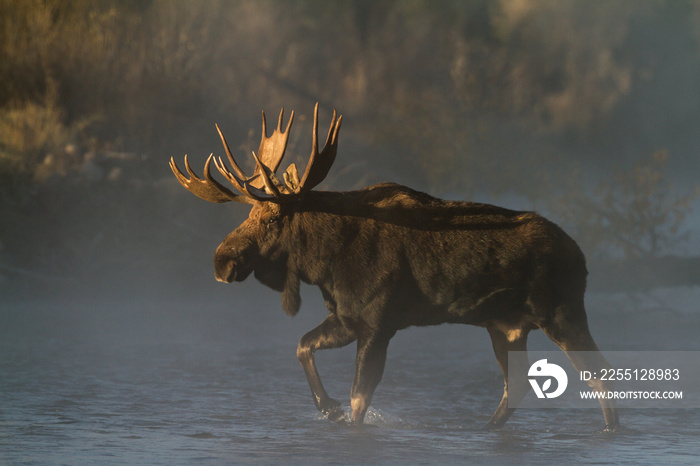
375	417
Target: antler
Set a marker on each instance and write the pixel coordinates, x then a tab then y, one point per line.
320	164
264	185
208	188
272	148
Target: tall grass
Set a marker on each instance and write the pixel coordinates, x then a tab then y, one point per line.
111	73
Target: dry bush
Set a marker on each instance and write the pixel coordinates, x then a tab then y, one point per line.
632	214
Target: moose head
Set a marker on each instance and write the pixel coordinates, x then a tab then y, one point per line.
255	245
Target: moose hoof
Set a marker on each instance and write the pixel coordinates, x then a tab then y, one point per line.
333	411
610	429
337	415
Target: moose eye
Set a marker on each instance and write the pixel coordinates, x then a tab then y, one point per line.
272	220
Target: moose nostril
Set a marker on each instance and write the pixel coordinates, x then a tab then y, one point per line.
225	273
224	269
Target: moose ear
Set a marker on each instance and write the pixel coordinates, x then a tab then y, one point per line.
291	299
291	177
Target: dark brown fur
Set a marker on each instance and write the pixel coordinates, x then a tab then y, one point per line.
388	257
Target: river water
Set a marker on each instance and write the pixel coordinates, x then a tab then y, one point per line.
208	382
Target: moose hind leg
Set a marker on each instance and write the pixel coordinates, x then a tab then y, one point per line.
574	338
329	334
371	358
515	386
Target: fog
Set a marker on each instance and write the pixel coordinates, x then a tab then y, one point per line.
585	112
578	112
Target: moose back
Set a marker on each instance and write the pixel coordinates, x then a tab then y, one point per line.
387	257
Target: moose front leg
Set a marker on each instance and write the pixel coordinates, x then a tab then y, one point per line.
371	358
329	334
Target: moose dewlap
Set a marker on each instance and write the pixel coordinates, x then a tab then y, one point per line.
387	257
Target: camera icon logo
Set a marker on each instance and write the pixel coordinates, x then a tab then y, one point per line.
546	372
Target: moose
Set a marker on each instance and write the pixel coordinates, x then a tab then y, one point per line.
387	257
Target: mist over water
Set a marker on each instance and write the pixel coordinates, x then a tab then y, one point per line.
215	381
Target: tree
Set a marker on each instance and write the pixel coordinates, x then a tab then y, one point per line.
637	214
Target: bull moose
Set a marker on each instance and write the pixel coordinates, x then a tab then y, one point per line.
387	257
